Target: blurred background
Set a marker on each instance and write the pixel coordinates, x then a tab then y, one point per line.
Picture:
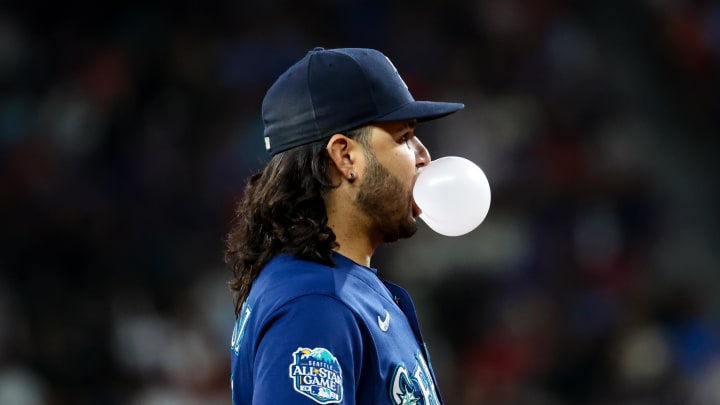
128	129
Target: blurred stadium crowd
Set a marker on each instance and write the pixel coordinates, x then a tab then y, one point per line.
127	130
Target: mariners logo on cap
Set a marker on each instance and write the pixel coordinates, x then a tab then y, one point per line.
396	72
316	373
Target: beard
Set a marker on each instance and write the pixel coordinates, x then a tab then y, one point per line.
386	201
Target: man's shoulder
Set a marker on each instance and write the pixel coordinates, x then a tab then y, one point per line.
286	277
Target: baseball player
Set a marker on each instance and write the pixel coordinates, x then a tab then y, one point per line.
315	322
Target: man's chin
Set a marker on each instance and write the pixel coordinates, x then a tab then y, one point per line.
405	230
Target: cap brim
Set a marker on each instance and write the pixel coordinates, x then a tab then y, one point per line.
422	111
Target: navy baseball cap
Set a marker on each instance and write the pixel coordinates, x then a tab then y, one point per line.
330	91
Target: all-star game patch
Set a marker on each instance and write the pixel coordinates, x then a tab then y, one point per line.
316	373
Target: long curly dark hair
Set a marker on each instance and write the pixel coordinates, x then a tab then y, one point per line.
282	211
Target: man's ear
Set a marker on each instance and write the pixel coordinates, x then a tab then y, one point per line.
344	152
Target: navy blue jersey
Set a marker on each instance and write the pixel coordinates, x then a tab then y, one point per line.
310	333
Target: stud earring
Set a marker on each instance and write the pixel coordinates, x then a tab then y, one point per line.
352	177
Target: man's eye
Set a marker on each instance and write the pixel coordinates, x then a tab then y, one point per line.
403	139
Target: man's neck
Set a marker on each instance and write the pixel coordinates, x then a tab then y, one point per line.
354	245
353	229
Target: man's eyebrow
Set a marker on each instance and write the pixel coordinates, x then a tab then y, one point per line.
408	125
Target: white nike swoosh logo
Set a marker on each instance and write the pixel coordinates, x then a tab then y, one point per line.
384	324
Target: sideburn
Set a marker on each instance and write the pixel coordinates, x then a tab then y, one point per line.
384	199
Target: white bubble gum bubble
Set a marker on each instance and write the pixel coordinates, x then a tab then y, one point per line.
453	194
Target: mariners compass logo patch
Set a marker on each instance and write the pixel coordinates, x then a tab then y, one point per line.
316	373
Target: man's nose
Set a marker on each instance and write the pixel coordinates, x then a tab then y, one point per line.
422	156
